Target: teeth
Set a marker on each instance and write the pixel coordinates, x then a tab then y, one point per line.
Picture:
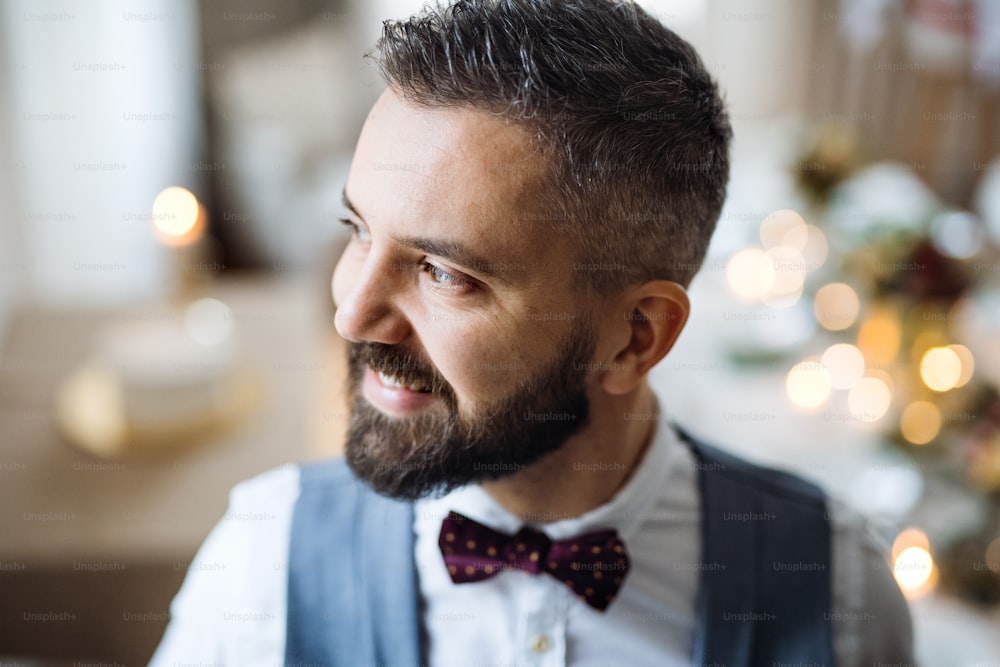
390	381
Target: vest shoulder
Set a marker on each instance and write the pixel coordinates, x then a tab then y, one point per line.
762	479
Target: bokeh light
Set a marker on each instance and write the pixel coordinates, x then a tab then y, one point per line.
968	363
177	216
869	399
836	306
789	270
816	249
784	227
909	537
925	340
808	384
913	568
750	273
920	422
879	338
845	364
912	563
941	368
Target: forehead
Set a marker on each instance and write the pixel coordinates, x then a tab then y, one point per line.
448	173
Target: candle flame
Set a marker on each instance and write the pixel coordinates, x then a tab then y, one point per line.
177	216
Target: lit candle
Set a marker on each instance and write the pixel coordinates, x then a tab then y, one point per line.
179	222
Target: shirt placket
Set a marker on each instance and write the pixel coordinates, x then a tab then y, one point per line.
542	631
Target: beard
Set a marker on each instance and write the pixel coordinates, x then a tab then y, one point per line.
441	450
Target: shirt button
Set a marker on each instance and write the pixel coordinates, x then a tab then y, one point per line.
540	644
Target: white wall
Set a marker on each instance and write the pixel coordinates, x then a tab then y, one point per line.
11	267
761	55
686	17
103	100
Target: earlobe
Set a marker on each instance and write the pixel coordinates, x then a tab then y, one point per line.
657	314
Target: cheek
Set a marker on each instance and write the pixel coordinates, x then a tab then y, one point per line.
451	348
481	362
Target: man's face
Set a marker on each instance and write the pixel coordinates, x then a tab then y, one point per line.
468	349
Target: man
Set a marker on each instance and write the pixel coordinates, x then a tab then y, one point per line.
528	201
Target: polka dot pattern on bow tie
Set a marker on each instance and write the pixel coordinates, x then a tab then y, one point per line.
593	565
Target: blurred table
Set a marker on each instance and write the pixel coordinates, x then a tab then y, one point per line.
92	550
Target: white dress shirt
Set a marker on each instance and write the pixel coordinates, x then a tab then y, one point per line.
231	608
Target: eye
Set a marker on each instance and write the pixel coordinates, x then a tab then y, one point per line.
357	232
445	279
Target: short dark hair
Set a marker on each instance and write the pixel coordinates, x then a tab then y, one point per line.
636	127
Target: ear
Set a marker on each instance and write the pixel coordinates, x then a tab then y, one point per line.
655	313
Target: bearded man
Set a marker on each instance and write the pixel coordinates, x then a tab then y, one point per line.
513	492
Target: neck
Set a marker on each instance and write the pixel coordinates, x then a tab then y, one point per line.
589	469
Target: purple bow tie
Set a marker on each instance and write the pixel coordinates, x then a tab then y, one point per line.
593	565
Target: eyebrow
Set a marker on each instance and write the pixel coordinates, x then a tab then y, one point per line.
456	253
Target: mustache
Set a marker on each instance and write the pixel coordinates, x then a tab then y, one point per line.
390	360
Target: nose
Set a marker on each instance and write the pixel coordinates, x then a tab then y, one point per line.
365	292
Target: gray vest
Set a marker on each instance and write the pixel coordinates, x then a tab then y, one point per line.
764	594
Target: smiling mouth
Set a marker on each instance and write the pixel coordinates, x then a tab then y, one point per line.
417	386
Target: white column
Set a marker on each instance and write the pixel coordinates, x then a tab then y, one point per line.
103	103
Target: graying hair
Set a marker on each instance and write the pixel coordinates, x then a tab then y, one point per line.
634	123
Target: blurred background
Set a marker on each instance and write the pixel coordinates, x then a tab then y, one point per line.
170	175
